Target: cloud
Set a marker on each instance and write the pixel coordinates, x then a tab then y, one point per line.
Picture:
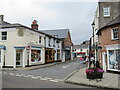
77	16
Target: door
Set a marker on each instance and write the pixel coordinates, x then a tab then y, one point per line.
18	58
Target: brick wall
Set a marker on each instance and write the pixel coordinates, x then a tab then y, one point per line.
106	39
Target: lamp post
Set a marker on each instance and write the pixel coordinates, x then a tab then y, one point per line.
93	26
89	52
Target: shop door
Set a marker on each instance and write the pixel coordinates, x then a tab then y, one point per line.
18	58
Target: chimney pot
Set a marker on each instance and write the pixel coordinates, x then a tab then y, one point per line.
34	25
1	18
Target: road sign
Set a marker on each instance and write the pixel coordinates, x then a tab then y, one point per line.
28	48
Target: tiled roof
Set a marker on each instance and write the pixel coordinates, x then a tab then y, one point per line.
62	33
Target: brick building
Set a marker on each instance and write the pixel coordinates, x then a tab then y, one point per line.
109	40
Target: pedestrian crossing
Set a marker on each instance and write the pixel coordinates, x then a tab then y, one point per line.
34	77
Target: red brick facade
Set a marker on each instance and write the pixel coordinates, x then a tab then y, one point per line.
105	38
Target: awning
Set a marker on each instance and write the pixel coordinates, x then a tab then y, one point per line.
19	47
81	52
3	47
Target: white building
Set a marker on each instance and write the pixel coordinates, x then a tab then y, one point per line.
22	46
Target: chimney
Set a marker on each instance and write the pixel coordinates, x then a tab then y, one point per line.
1	18
34	25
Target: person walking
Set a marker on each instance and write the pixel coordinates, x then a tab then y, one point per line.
81	60
87	60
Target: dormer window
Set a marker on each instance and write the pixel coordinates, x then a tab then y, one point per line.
106	11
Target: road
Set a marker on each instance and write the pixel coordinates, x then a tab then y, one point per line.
49	77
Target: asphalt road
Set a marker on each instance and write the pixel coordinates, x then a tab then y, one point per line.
11	81
60	71
49	77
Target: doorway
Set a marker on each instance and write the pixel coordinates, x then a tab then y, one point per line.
19	57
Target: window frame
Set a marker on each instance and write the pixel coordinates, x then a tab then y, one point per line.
112	33
3	36
106	11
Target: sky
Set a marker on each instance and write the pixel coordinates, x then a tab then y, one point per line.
76	15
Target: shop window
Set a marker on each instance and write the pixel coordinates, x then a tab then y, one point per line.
58	54
115	33
4	35
114	59
35	55
106	11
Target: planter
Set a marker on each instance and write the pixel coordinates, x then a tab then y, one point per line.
94	76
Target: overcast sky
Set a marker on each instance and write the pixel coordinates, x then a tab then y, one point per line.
77	15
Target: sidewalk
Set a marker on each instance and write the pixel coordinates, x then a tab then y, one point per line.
109	80
31	67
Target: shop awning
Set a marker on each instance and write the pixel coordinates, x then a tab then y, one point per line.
81	52
3	47
19	47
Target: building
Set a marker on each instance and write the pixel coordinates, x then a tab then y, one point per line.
22	46
64	35
109	55
105	12
80	50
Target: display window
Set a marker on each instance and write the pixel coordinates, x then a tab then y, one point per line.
58	54
35	56
114	58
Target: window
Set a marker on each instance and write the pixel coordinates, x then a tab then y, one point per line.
4	35
115	33
40	39
49	41
53	42
106	11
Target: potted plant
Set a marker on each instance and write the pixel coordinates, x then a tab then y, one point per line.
94	73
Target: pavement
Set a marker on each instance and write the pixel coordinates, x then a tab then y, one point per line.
31	67
109	80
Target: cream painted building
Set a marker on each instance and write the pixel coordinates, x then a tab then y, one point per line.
22	46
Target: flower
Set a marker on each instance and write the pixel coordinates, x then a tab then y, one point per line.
94	70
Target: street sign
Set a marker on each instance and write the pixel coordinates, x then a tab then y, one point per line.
28	49
93	47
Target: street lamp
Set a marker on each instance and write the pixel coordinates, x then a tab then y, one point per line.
93	26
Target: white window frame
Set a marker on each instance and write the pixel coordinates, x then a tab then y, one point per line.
106	11
112	33
3	36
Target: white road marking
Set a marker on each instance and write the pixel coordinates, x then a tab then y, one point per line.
54	80
66	66
11	74
34	77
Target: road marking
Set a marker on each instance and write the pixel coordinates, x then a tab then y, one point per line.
53	80
18	75
34	77
11	74
66	66
43	79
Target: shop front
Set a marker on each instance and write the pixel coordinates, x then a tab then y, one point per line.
36	55
49	55
113	57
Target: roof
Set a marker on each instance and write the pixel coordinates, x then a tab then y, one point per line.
113	22
62	33
4	24
80	46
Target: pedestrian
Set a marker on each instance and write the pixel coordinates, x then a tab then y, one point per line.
92	61
87	60
81	60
